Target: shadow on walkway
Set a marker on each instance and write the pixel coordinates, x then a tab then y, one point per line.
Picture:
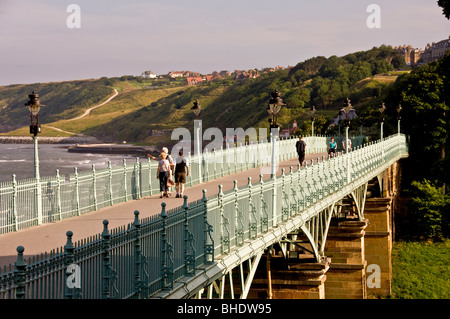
44	238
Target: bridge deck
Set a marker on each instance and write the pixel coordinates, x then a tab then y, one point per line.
44	238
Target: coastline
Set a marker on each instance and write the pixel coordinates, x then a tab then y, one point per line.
82	144
48	140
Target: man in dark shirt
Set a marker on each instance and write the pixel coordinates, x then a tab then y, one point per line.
301	147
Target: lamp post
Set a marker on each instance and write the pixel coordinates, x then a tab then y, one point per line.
347	113
399	109
382	109
275	104
313	110
34	106
197	131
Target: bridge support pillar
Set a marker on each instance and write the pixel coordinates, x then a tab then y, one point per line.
346	278
290	279
378	245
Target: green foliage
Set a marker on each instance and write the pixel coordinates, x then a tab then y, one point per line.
324	83
445	5
429	211
61	99
420	270
320	125
424	97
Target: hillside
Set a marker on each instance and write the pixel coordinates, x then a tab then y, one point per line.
146	114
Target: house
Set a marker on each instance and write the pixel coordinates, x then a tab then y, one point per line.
194	80
148	75
208	77
176	74
436	51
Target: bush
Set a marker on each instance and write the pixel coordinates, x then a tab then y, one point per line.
428	216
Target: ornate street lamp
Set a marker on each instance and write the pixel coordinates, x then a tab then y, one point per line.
196	109
275	104
34	106
313	110
197	133
347	113
382	109
399	109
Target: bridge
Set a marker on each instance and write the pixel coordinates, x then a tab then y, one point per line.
319	231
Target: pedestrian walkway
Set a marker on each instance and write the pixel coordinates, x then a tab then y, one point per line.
44	238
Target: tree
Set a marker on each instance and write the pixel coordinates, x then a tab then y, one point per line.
425	114
445	5
428	211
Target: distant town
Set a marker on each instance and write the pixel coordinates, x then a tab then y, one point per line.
432	52
413	57
194	78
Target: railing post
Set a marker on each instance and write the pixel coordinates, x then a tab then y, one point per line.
14	203
19	274
238	217
124	178
224	224
189	258
264	214
72	280
94	187
166	249
137	173
208	248
106	284
273	181
110	187
77	192
137	256
58	195
253	225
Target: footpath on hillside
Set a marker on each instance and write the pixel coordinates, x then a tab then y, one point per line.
46	237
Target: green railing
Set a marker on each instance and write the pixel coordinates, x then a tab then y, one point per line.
88	191
148	256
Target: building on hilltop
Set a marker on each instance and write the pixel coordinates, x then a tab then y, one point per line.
436	51
148	75
194	80
248	74
412	55
176	74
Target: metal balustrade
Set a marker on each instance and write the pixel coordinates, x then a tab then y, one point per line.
91	190
149	256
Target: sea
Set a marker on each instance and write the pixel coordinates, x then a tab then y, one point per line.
18	159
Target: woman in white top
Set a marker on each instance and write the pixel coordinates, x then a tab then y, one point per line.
163	174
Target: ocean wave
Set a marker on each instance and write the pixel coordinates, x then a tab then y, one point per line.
13	161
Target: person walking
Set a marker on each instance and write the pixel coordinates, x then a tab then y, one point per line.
301	148
332	147
347	145
181	171
163	174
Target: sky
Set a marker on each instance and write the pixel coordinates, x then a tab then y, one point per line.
43	41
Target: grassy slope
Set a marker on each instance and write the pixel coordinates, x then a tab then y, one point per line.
135	112
130	99
421	270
